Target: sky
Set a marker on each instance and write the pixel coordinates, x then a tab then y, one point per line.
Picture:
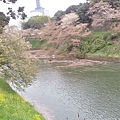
52	5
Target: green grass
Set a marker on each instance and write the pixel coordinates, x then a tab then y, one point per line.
14	107
37	43
116	20
103	43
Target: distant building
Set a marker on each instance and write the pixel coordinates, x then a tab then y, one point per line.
39	10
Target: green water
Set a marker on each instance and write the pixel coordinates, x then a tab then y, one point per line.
77	93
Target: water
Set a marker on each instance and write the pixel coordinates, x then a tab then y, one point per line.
76	93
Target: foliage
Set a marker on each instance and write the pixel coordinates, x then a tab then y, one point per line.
97	41
72	8
37	43
35	22
15	65
92	2
58	15
3	21
8	1
13	107
4	18
83	13
81	10
116	20
98	13
11	13
114	3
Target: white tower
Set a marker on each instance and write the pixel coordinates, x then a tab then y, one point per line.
39	10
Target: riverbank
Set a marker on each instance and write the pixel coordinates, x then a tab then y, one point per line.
79	62
71	61
14	107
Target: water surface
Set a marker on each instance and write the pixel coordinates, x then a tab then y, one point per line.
76	93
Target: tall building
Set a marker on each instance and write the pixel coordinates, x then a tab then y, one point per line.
38	6
39	10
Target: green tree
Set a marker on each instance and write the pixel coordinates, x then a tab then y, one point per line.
3	21
94	1
114	3
58	15
35	22
72	8
83	13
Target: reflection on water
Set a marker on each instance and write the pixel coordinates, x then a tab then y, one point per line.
82	93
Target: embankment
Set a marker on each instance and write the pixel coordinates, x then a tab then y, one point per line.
14	107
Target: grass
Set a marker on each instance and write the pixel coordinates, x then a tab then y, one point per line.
14	107
116	20
102	43
37	43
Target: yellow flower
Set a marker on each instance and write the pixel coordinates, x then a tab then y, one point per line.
2	97
37	117
23	100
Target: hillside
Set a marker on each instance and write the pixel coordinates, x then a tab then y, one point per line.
68	38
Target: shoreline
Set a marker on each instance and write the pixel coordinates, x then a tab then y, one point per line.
80	62
88	60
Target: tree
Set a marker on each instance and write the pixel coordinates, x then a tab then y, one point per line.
15	65
35	22
3	21
20	12
83	13
72	8
102	15
115	3
58	15
4	18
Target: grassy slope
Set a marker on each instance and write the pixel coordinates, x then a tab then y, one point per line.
13	107
103	43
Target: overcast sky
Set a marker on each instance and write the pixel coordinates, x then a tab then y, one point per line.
52	5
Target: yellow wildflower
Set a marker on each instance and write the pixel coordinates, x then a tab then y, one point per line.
23	100
2	97
37	117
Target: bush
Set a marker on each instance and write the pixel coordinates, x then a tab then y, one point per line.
97	41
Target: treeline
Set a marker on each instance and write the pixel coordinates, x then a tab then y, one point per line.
82	9
35	22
